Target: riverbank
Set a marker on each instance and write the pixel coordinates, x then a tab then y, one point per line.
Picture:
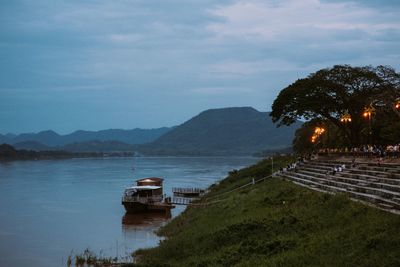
276	223
9	153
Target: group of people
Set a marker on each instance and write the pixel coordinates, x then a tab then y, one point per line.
391	151
336	169
293	166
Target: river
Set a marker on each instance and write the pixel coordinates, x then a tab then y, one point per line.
50	209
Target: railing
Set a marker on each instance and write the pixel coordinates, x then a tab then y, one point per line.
182	200
143	200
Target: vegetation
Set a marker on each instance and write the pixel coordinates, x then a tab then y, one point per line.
89	258
8	152
330	95
276	223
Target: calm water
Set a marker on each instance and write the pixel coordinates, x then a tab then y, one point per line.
52	208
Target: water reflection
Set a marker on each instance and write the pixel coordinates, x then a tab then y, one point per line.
141	228
145	220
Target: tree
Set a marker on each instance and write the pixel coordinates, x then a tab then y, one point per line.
330	93
389	98
7	152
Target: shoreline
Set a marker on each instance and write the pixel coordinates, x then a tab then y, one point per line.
265	225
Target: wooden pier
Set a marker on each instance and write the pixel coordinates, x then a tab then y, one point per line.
188	192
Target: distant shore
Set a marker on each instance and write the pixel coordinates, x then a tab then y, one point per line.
9	153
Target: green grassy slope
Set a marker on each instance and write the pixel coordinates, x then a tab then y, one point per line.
277	223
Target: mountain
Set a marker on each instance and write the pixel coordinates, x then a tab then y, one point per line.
49	138
53	139
135	136
3	139
10	135
226	131
215	132
32	145
98	146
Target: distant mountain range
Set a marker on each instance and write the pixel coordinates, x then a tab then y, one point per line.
226	131
215	132
52	139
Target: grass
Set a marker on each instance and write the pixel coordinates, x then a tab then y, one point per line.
276	223
89	258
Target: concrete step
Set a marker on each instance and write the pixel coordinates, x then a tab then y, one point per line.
346	176
376	200
361	187
380	173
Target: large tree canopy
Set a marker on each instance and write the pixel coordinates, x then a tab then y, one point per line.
330	93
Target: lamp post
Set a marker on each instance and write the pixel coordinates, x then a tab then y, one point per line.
368	111
397	105
345	119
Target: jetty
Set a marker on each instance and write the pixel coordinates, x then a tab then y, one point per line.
188	192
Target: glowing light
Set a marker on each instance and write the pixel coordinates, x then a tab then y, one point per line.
345	117
368	111
317	132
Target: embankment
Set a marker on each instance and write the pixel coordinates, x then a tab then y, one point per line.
276	223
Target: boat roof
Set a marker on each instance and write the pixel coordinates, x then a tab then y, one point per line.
150	179
144	187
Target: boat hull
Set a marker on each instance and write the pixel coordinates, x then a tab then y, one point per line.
137	207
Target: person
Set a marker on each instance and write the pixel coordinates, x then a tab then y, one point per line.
353	162
379	161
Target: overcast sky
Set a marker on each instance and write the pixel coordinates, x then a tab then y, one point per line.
100	64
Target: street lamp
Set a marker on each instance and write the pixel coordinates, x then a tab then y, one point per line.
368	111
346	117
397	105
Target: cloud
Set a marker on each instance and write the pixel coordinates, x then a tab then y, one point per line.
291	19
303	35
82	53
221	91
235	68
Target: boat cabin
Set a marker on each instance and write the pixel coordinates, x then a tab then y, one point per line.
151	183
150	188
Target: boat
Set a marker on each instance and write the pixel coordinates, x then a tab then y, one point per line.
146	196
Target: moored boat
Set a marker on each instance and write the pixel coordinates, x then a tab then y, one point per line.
146	196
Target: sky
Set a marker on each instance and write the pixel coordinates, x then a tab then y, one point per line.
99	64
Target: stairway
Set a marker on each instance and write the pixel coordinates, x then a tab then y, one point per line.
376	184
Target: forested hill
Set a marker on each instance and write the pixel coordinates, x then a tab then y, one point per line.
226	131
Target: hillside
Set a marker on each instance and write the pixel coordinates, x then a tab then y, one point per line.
276	223
32	145
226	131
98	146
